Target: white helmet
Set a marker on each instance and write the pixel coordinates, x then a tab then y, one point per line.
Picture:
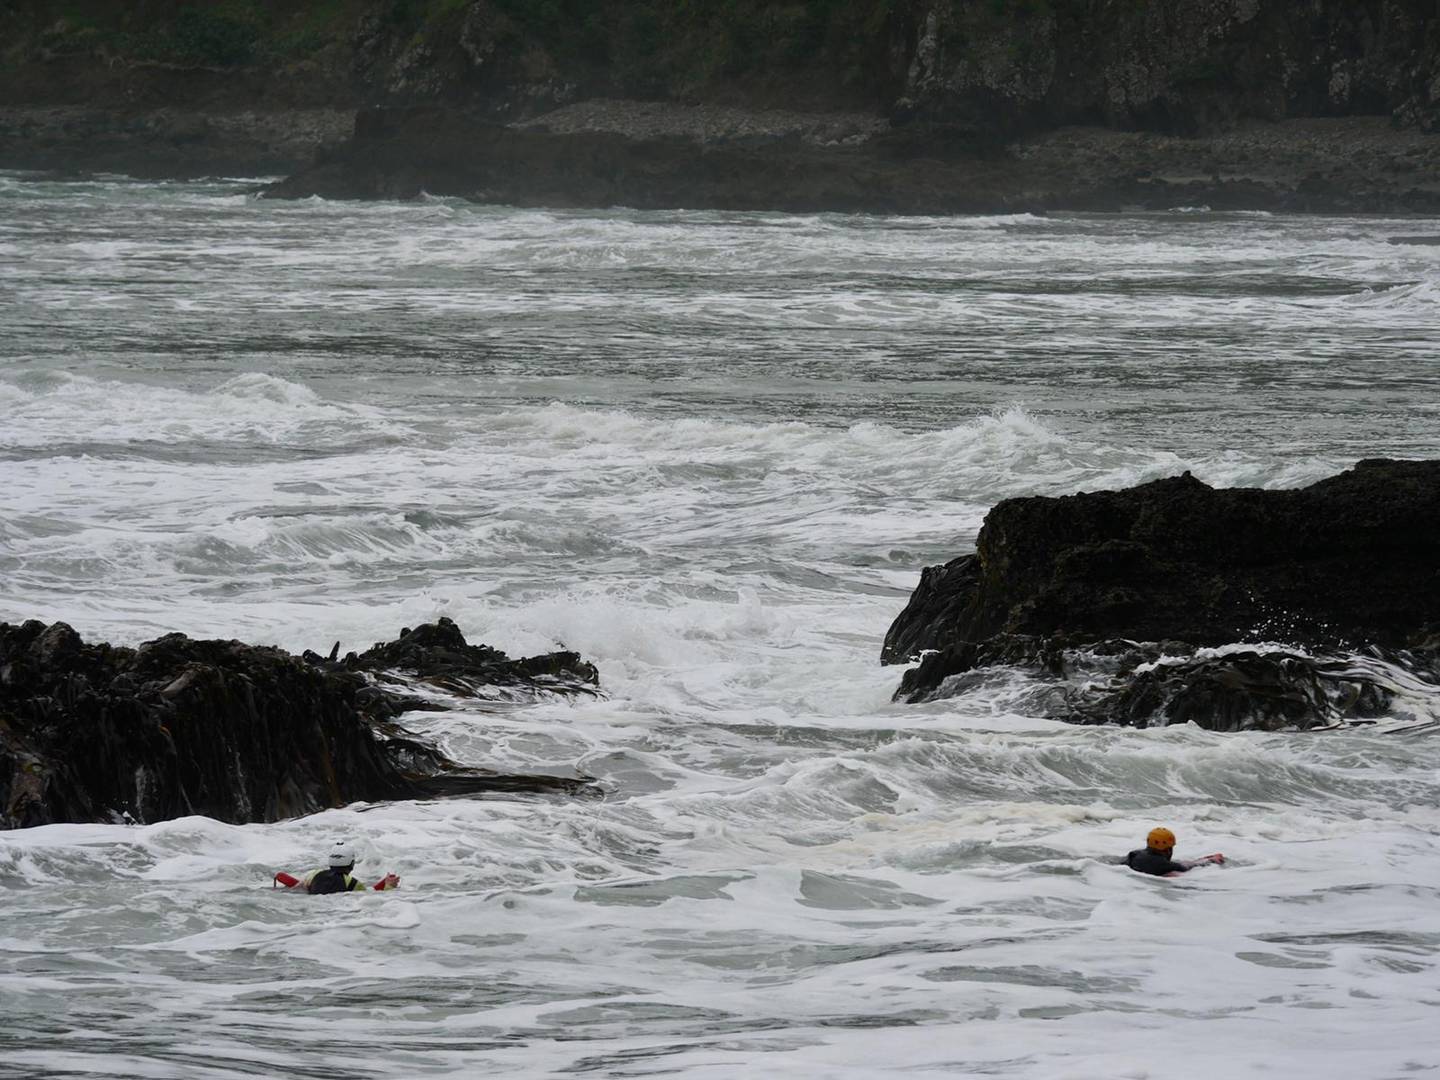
342	854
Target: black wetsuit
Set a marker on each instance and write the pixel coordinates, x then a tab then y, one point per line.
331	880
1152	862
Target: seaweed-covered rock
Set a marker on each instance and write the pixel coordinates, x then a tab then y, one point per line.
437	653
1157	684
1240	691
1347	565
232	731
1351	559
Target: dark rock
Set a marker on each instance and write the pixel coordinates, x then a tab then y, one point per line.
1239	691
401	153
1180	69
232	731
1156	684
437	653
398	154
1176	68
932	677
1349	559
1350	563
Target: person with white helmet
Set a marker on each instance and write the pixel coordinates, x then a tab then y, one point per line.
1156	856
336	877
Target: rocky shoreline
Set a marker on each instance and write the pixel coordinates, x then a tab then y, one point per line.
683	157
243	733
651	155
167	143
708	124
923	107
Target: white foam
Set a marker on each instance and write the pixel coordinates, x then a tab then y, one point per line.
69	409
711	452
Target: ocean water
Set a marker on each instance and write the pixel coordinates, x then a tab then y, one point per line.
711	452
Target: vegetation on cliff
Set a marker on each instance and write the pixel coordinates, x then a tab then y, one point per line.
953	100
501	52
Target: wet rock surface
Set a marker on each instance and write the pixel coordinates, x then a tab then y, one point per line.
438	654
1246	689
1159	683
232	731
1129	602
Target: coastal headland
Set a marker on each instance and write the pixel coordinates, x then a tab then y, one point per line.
927	106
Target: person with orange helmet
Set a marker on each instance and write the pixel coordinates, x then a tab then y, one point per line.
1156	856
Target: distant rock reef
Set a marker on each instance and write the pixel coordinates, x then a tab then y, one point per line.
1136	606
241	732
879	105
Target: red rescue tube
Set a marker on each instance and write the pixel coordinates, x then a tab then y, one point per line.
282	878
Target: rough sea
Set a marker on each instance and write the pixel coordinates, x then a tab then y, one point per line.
711	452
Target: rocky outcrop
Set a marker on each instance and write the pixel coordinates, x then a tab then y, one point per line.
1144	684
437	654
1245	689
400	153
232	731
1347	566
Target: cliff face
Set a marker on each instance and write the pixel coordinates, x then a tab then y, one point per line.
981	65
923	106
1179	68
510	57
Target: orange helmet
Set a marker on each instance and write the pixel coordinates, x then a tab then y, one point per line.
1160	839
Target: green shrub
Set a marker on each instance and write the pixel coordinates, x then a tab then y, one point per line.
213	38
